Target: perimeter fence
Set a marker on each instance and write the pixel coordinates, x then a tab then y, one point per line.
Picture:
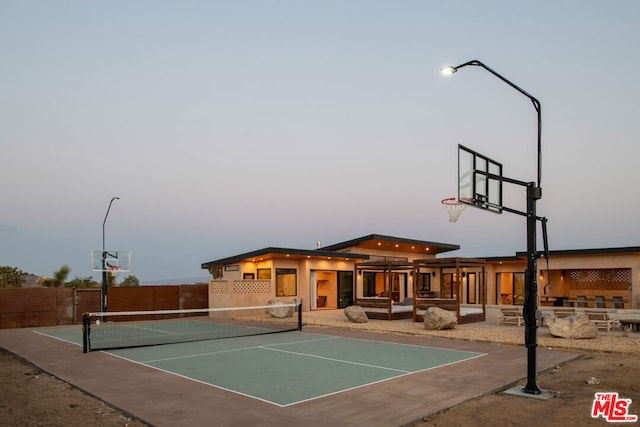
36	307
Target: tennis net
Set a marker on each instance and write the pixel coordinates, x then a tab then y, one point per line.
113	330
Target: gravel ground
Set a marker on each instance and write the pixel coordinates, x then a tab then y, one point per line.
615	341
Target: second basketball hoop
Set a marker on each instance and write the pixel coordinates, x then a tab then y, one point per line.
454	207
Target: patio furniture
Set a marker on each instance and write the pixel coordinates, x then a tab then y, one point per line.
602	320
563	312
383	308
629	325
512	316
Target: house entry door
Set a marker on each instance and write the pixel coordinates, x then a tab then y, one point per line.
345	289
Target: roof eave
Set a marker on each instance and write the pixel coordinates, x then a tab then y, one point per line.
354	242
250	256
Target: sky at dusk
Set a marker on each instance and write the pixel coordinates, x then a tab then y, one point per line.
230	126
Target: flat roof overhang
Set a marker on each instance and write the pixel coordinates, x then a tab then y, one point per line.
395	244
272	253
595	251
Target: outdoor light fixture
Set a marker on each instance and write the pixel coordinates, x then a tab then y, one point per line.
448	70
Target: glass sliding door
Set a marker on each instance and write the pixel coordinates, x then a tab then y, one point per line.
510	288
369	284
472	290
345	289
450	286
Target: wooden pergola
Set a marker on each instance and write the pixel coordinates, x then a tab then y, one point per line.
420	303
458	265
386	267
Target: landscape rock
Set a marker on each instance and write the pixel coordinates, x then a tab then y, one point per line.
577	326
593	381
437	319
356	314
279	309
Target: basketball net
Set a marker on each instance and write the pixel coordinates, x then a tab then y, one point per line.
113	270
453	207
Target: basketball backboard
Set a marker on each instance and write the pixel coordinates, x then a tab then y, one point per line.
479	180
114	261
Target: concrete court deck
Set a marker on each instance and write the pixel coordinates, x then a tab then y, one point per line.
163	399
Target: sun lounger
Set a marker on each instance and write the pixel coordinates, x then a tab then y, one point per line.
383	308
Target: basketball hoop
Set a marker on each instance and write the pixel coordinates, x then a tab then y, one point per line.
453	207
113	269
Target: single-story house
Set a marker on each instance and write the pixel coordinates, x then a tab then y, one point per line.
402	269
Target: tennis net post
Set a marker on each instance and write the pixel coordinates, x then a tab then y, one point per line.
86	326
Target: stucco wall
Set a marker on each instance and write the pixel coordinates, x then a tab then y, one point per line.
559	285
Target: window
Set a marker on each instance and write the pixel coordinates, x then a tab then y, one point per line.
423	284
369	279
510	288
518	288
264	274
471	288
450	286
286	282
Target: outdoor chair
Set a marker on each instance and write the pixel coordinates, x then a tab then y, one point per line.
563	312
602	320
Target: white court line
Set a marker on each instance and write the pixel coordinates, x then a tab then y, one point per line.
142	328
284	405
233	349
57	338
337	360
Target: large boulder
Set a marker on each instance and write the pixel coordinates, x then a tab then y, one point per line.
436	319
577	326
278	309
356	314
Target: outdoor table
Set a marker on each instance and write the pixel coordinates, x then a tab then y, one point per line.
628	321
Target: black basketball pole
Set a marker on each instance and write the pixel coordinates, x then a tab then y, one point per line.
530	308
104	261
534	193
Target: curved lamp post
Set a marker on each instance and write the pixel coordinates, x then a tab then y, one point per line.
534	193
104	259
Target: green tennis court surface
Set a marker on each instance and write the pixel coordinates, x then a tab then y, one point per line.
285	369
